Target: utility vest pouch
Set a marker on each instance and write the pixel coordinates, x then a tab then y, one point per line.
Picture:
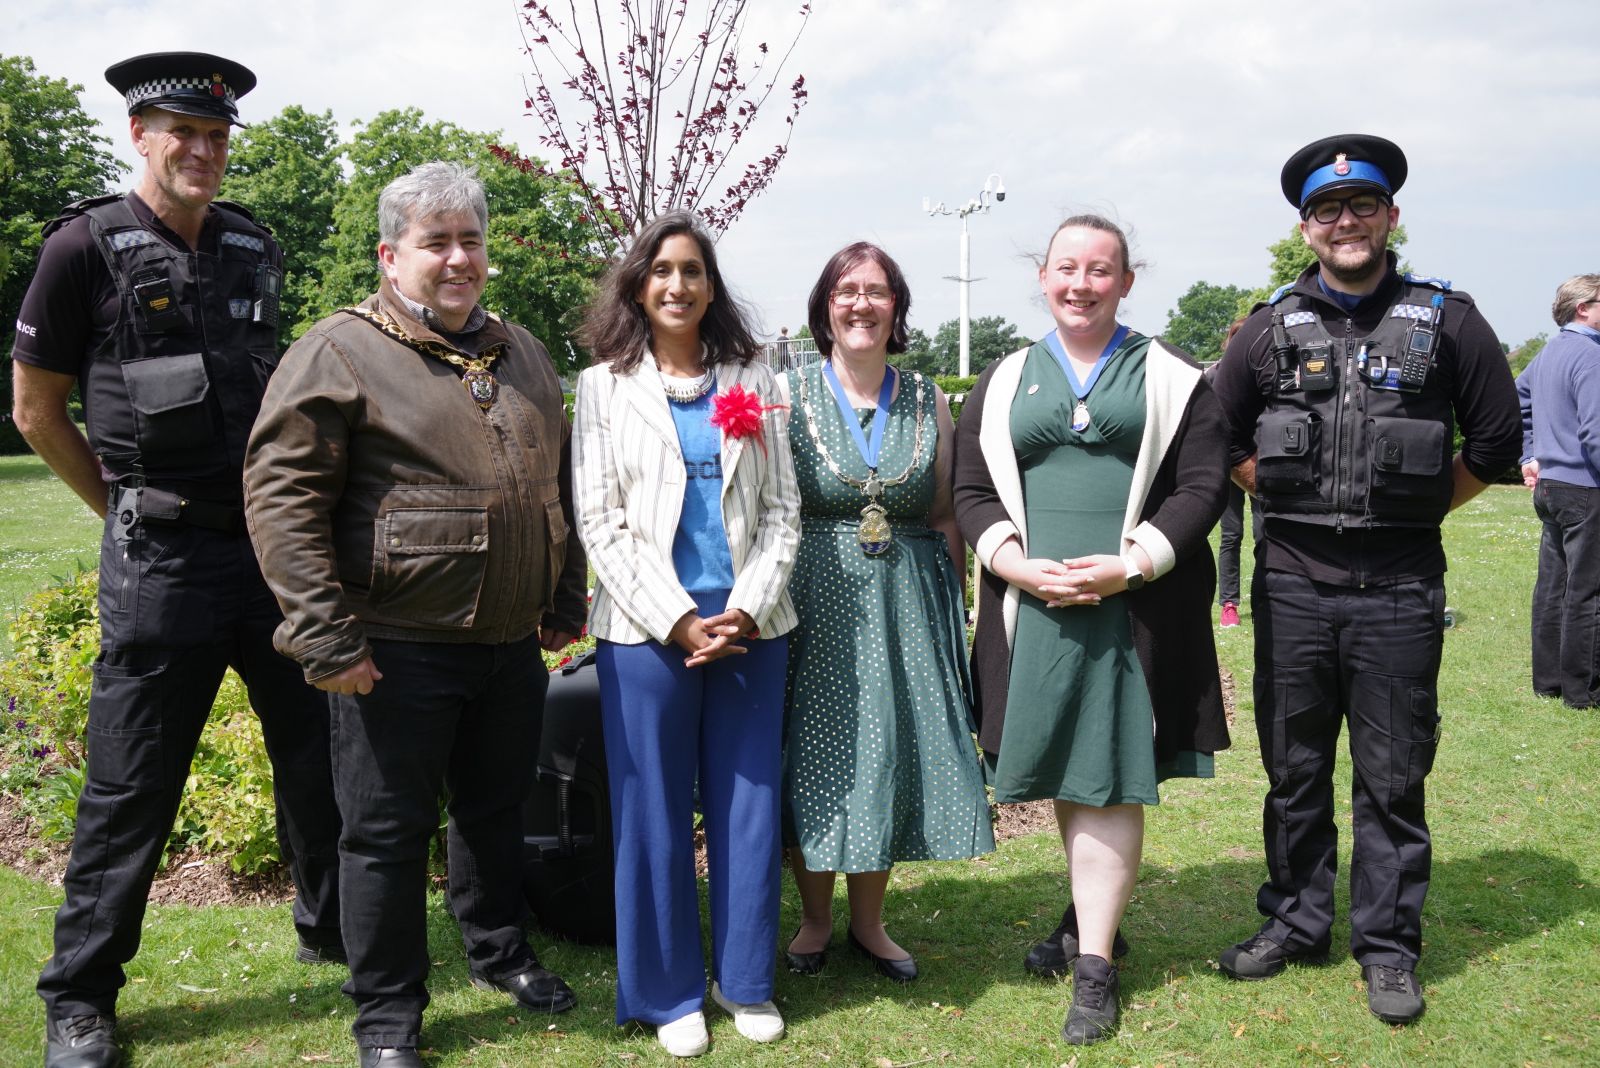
1287	444
169	398
1407	457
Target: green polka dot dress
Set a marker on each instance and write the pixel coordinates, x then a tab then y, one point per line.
879	765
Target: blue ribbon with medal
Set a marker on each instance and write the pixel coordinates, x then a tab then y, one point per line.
1080	413
874	532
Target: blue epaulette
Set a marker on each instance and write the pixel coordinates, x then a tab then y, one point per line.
1422	280
1279	293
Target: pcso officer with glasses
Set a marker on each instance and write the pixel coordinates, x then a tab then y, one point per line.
161	305
1343	392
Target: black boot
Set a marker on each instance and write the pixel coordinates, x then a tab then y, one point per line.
1093	1015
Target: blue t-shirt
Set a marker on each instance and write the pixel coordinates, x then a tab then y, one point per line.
700	547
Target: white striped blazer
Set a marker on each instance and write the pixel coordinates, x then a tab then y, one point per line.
628	478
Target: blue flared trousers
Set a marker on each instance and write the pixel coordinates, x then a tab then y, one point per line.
667	727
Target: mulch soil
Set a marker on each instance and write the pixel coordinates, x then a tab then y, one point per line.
192	878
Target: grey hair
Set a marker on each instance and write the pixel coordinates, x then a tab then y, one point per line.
1579	289
427	191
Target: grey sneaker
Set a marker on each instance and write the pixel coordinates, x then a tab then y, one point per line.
1393	994
1259	957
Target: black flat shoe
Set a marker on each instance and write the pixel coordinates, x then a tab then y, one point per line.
807	963
901	971
536	989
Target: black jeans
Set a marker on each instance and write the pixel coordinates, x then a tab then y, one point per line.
179	605
1325	655
1566	595
456	718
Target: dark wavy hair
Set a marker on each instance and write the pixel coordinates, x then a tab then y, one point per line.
843	262
616	330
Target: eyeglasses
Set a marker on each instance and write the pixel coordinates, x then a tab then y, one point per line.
878	298
1362	206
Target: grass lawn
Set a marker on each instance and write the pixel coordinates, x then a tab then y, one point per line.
45	530
1511	969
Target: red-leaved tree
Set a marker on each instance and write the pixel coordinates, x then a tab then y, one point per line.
646	103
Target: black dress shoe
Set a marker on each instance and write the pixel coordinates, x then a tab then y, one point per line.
81	1042
536	989
321	951
901	971
807	963
390	1057
1052	957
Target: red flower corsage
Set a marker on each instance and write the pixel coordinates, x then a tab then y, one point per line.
737	413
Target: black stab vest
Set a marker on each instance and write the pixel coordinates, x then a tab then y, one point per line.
172	393
1353	454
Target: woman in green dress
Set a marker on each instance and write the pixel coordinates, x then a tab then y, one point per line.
1091	468
879	763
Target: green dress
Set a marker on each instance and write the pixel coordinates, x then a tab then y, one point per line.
1079	724
879	760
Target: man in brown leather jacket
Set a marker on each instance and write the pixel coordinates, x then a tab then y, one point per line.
408	492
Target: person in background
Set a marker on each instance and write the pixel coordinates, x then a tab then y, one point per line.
1232	536
879	764
687	504
161	306
1560	397
1090	469
1342	393
408	492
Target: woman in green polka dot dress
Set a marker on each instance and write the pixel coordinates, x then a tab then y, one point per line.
879	762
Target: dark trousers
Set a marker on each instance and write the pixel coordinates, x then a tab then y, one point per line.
1566	596
667	729
178	606
1228	544
462	719
1326	655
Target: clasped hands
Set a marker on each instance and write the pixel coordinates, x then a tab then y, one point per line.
712	637
1059	583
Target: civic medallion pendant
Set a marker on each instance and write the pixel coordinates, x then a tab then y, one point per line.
874	532
1080	417
483	387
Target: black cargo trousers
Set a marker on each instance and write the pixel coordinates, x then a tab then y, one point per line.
1325	655
179	604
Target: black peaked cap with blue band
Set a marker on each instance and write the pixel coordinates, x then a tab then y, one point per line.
1344	161
190	83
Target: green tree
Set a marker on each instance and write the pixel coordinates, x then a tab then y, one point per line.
1291	256
990	338
1521	356
539	235
50	155
286	171
918	355
1199	324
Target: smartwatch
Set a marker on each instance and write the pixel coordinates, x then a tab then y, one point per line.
1135	576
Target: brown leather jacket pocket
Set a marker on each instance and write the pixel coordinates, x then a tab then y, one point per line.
428	565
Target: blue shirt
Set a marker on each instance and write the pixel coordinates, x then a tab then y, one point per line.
700	547
1560	396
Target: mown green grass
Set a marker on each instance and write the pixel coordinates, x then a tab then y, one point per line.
1511	967
45	530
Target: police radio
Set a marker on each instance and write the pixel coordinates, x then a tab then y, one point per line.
269	280
1284	355
1418	355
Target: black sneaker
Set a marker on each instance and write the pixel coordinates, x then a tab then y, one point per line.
1093	1015
1259	957
1052	957
330	951
81	1042
1393	994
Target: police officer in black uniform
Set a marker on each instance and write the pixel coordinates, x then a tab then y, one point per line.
1343	392
161	305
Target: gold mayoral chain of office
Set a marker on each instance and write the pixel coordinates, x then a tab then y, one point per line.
873	532
475	372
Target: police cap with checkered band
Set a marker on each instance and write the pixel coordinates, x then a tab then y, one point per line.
1343	161
190	83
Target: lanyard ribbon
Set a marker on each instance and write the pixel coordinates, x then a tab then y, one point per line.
1052	341
880	417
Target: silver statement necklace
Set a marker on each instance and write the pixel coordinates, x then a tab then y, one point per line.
685	390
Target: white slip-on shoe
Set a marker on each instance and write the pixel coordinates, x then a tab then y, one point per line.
686	1036
758	1021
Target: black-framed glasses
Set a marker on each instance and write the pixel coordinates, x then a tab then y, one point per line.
878	298
1362	206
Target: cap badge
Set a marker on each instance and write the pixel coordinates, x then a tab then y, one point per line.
1341	166
217	88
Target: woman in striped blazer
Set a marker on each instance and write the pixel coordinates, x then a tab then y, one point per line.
687	504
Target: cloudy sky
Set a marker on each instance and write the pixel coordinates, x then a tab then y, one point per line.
1174	118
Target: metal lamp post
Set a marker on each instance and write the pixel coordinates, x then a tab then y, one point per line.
992	186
